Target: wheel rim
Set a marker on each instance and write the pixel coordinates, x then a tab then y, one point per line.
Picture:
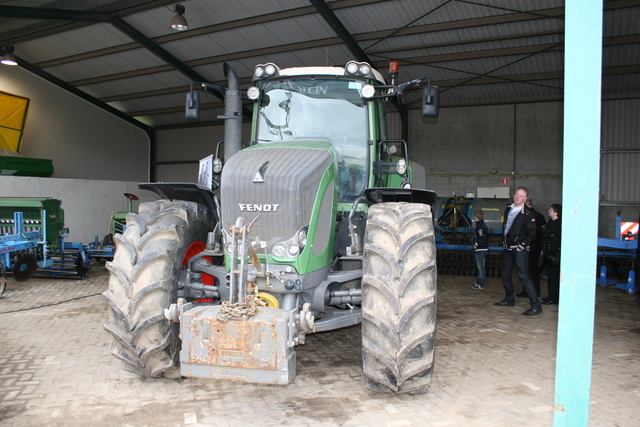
194	249
24	267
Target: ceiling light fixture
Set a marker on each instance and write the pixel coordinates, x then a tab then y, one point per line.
9	58
178	22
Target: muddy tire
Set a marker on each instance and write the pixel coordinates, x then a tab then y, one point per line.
143	282
398	298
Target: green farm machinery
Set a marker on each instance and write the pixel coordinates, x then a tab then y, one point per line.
321	223
103	250
32	241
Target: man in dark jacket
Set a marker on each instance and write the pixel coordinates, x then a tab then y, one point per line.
534	251
519	230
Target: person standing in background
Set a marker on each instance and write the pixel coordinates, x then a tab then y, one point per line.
481	248
534	251
519	230
551	244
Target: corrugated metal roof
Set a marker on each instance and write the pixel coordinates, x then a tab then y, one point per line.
480	51
73	42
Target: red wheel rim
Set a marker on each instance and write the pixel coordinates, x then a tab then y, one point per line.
194	249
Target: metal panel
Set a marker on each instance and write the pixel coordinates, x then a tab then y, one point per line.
109	64
288	208
621	22
188	144
74	42
620	151
137	84
254	350
620	177
177	173
620	124
394	126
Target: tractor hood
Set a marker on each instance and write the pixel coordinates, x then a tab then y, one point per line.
278	183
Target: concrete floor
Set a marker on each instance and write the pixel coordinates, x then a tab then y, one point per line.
494	367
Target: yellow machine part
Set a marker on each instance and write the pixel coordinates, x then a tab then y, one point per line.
269	299
13	117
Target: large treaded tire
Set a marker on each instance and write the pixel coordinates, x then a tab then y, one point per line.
398	298
143	282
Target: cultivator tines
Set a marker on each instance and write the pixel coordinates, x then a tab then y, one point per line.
463	263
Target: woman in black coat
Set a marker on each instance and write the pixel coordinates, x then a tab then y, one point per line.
551	234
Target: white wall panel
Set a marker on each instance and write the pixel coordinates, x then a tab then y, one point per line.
84	141
87	204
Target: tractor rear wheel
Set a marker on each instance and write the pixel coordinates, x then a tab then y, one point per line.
143	281
398	298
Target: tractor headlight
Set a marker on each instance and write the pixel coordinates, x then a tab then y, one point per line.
265	70
293	247
401	166
354	68
217	165
293	251
253	93
302	236
279	250
270	70
368	91
406	184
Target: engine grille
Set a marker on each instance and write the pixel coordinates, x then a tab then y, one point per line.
284	201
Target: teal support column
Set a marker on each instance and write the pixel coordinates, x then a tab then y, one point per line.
580	185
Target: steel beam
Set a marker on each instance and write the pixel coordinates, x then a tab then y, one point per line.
581	165
59	14
330	17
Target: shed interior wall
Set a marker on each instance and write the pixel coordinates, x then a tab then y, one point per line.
87	204
470	147
83	141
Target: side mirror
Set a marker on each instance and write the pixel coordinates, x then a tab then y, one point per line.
192	106
430	101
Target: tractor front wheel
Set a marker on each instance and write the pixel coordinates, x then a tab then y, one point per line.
143	281
398	298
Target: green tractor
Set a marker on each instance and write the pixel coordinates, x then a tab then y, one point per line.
321	223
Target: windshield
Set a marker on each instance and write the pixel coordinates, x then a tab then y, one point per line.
323	109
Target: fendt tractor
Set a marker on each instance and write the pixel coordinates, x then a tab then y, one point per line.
321	223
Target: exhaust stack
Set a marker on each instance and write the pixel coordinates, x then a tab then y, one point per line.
232	114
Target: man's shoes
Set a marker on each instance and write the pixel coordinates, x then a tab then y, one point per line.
476	286
548	301
505	303
532	312
522	294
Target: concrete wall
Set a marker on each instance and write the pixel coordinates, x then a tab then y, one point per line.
87	204
84	141
472	147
